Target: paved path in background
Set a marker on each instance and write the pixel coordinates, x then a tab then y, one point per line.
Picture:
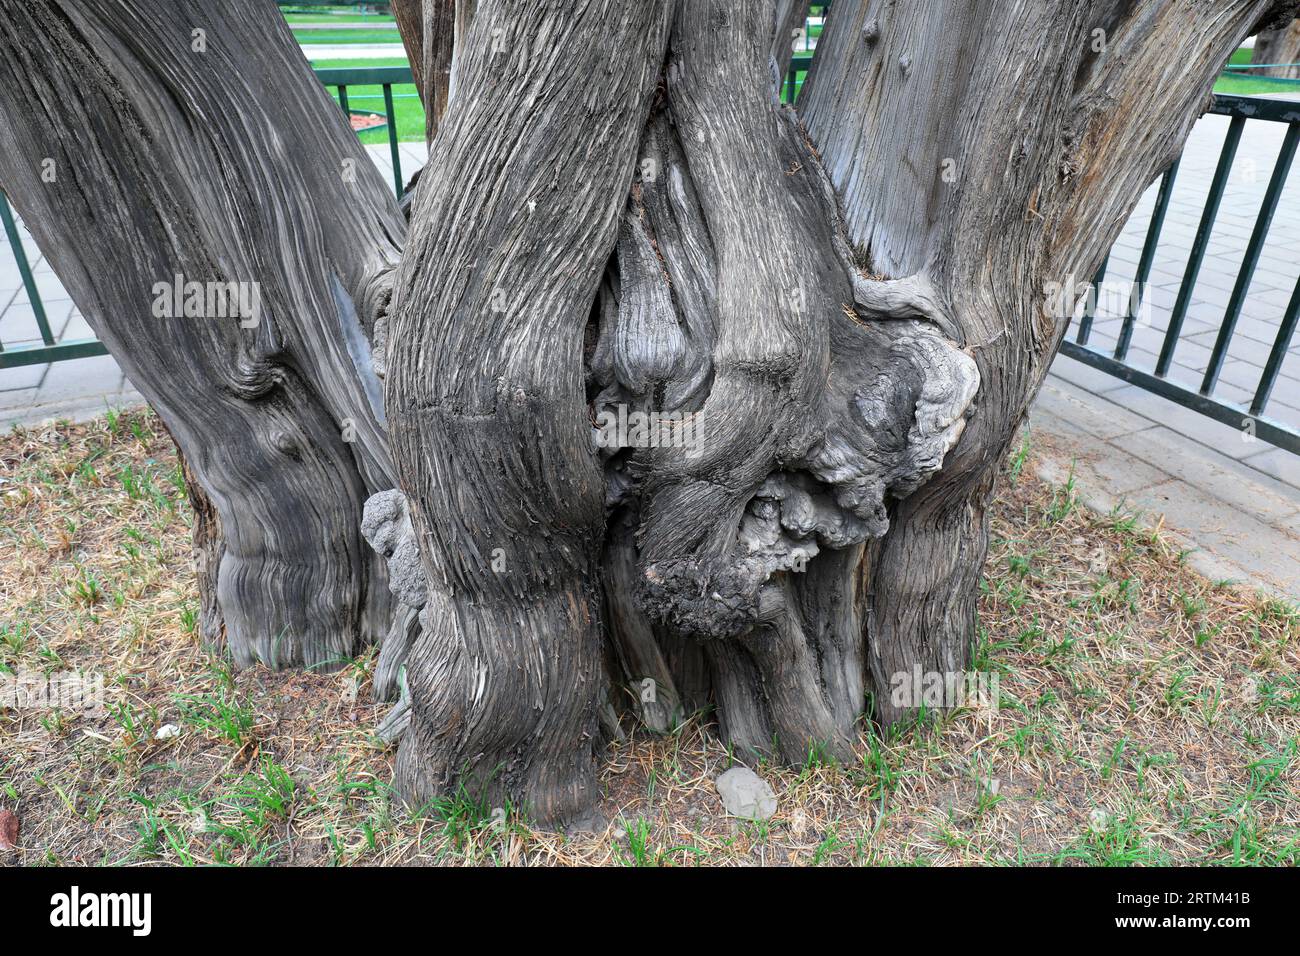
1270	291
1138	456
1236	500
352	51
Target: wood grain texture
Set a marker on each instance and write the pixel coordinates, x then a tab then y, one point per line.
844	307
735	305
218	157
428	31
1053	139
485	393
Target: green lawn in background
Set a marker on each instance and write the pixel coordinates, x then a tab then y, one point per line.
1245	86
348	37
375	18
1241	83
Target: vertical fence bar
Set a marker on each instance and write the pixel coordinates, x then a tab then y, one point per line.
25	270
1090	309
1278	353
343	101
1146	260
1251	260
1199	244
392	138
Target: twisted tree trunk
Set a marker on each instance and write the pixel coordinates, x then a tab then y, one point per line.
148	141
692	399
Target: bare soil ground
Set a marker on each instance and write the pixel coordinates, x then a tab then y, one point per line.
1147	715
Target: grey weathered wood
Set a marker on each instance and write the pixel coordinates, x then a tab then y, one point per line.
428	31
486	404
227	163
847	305
1049	140
790	460
1276	49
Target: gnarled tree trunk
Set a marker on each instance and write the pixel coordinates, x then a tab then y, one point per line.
690	398
148	141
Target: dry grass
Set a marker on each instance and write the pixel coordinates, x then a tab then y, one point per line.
1147	714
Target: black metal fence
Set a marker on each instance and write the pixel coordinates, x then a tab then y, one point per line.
1253	415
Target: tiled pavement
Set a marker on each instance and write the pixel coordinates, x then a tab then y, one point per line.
1270	291
1237	500
1234	498
1140	456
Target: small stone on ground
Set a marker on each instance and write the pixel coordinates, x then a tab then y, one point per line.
746	794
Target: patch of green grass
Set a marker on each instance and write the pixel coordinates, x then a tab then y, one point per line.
346	64
460	815
1281	694
156	833
1017	462
220	712
86	590
348	37
880	773
635	848
13	638
830	843
1243	83
135	725
1177	693
1064	500
1240	84
819	755
1112	840
264	795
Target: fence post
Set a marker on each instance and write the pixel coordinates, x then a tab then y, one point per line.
25	270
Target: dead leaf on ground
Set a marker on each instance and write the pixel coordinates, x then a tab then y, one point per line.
8	830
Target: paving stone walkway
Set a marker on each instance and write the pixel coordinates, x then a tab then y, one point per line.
1271	289
1235	500
1241	522
353	51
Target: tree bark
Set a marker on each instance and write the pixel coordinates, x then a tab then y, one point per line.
1279	52
1008	179
428	31
692	399
486	404
824	334
154	140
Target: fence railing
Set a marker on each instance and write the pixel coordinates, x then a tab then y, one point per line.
385	77
1251	71
1114	361
1252	415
